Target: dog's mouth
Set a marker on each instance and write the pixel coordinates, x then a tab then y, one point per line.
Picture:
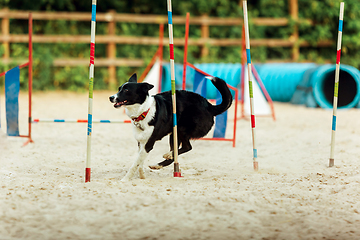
119	104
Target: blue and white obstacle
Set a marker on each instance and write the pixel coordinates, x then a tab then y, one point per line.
12	88
200	87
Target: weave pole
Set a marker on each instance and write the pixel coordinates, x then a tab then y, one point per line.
247	39
336	86
177	172
91	87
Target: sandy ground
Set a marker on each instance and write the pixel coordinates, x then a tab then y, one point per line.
294	195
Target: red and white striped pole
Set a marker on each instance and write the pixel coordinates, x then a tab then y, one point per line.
336	85
247	39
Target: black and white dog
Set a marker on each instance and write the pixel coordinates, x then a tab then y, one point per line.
152	117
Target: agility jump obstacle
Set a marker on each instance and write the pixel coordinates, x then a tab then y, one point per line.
247	39
153	76
12	87
199	87
336	85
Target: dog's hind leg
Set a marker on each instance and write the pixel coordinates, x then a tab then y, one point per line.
185	146
162	164
138	164
168	156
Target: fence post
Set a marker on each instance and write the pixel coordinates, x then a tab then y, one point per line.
111	51
204	35
5	31
294	13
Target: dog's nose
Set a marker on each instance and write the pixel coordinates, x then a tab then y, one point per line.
111	98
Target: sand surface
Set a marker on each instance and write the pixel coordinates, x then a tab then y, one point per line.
294	195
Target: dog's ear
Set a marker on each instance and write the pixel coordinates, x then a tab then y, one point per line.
133	78
146	86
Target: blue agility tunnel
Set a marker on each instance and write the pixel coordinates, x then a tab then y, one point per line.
323	79
311	84
281	79
298	83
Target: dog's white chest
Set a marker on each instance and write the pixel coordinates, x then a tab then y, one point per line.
141	129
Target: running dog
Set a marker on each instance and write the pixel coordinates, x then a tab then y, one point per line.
152	117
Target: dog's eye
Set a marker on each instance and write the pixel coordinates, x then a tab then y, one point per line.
126	90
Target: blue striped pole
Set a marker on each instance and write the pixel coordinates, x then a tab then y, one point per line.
336	86
177	172
247	39
91	87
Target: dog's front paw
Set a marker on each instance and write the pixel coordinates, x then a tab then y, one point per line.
168	155
155	167
141	173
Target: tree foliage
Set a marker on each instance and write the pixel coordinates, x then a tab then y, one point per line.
324	15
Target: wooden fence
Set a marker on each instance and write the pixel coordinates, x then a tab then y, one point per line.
111	40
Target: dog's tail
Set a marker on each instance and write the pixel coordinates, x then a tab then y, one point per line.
225	93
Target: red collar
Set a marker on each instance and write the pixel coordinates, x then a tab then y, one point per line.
141	117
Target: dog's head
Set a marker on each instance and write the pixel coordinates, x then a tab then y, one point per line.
131	93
